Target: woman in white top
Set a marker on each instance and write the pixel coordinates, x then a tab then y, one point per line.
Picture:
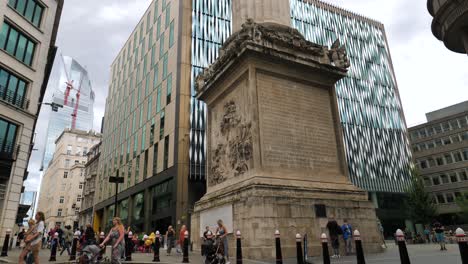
36	240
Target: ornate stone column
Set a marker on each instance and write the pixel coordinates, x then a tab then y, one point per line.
260	11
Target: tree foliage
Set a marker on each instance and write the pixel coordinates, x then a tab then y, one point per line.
462	202
420	207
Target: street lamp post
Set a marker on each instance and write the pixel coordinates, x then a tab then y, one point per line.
116	180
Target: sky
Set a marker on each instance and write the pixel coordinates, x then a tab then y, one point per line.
429	76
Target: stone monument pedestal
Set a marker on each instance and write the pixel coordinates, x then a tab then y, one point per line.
275	151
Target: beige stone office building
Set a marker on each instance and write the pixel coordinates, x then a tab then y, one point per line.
62	185
440	149
91	169
28	31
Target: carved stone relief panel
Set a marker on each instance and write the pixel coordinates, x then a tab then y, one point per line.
231	143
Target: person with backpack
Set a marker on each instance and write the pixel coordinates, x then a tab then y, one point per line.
334	231
347	237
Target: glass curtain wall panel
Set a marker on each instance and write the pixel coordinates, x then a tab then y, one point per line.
211	26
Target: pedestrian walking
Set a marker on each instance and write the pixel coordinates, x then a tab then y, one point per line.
170	239
335	231
116	236
223	232
427	235
34	239
183	228
20	238
68	238
440	236
347	237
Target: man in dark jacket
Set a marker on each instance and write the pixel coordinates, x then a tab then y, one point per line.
334	230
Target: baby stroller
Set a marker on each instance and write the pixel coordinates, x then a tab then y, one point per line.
213	250
89	254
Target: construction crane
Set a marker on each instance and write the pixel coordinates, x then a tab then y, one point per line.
69	83
77	104
68	89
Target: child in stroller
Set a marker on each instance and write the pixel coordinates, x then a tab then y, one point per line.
213	250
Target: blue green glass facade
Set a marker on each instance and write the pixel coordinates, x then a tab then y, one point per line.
373	126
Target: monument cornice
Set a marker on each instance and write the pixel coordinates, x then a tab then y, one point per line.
278	41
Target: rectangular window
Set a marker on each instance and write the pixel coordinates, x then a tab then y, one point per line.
156	76
166	152
465	154
440	198
67	163
158	99
150	106
61	199
12	88
145	165
7	138
153	56
135	145
141	115
155	159
161	124
161	46
155	13
422	164
169	89
59	212
152	132
17	44
448	158
463	175
453	177
141	30
164	73
148	21
435	180
457	156
444	178
147	84
450	198
143	49
158	28
137	169
427	181
30	9
143	138
440	161
171	34
168	14
65	174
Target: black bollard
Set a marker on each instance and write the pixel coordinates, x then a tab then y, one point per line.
53	251
185	259
359	251
325	253
279	255
300	257
129	247
239	248
74	244
157	246
5	243
103	250
462	245
404	257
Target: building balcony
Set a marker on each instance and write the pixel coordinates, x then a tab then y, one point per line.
12	98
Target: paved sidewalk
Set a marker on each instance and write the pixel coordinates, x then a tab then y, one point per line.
419	254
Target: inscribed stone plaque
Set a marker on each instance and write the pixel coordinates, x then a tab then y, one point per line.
297	130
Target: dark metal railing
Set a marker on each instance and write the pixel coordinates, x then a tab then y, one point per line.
13	98
9	151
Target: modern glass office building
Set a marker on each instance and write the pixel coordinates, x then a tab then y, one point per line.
67	69
158	144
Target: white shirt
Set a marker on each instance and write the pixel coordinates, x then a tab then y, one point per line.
40	230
